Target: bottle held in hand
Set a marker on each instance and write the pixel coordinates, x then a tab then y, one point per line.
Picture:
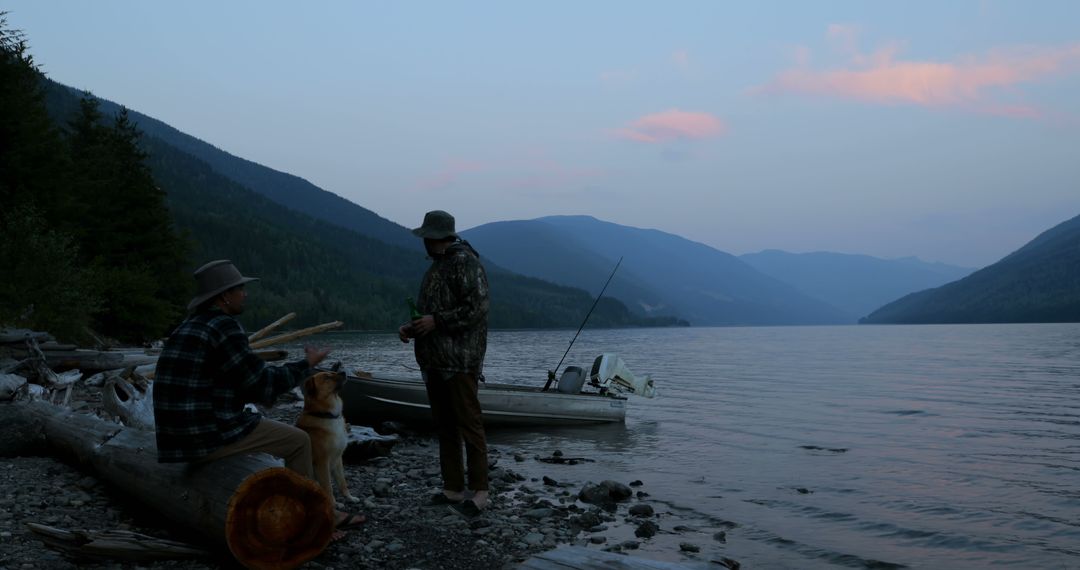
414	313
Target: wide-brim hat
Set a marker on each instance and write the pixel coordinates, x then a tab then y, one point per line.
437	225
215	278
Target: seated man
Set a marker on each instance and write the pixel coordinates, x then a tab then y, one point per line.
207	373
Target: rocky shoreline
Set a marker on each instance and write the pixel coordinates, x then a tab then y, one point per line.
526	515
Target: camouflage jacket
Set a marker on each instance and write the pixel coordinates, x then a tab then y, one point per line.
455	292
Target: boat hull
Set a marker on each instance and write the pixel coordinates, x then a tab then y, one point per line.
371	401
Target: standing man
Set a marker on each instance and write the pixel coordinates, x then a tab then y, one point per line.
451	339
207	373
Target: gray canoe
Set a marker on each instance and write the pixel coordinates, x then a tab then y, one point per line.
371	401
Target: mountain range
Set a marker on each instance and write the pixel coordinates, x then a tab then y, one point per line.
316	262
547	268
855	284
664	274
1040	282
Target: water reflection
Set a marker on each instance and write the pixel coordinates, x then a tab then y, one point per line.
637	437
960	440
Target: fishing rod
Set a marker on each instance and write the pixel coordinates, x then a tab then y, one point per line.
551	373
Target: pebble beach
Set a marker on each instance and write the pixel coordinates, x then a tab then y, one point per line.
526	516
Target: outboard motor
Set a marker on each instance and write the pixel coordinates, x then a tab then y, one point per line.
609	372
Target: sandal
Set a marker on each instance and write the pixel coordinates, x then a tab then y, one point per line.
349	520
466	509
439	499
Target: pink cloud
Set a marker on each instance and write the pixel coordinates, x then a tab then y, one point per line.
673	124
881	77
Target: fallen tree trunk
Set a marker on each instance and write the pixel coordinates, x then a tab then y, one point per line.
8	336
295	334
90	359
268	516
107	545
270	327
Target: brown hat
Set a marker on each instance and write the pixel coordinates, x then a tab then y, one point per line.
437	225
215	278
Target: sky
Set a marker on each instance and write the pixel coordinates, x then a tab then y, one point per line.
944	130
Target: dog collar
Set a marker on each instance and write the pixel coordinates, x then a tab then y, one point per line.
326	415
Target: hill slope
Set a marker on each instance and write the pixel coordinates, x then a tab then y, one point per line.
1039	282
538	249
283	188
665	272
325	271
855	284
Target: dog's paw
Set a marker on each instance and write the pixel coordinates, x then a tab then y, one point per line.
341	504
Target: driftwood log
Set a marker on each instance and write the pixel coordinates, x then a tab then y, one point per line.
85	359
124	400
9	336
286	337
267	516
270	327
9	384
111	545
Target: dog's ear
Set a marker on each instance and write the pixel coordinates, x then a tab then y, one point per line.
310	388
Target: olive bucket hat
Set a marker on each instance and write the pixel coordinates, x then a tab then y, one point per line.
215	278
437	225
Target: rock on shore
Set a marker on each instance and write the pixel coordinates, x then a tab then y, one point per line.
403	531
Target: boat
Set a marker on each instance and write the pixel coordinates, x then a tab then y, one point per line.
371	400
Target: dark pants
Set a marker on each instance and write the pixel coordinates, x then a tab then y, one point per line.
456	412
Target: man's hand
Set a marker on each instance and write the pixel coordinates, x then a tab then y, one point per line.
423	325
404	332
315	355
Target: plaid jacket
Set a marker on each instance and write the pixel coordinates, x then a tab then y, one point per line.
455	292
205	375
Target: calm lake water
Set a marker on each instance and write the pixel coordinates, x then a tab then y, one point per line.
828	447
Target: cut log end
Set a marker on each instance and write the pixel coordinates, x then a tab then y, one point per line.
278	519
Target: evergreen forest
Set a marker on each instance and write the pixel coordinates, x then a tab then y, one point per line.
101	226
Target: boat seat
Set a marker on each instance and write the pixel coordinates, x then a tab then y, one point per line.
573	377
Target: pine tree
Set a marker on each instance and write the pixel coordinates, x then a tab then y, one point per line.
44	285
32	166
125	227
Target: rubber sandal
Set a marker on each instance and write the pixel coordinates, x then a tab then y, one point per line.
439	499
350	520
466	509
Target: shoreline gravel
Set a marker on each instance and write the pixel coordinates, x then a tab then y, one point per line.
526	515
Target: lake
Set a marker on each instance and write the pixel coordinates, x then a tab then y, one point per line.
950	446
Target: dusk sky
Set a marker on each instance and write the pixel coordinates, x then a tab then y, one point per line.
944	130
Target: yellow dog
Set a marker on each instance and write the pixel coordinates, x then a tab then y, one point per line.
322	420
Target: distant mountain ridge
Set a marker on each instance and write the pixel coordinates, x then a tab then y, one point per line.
544	251
286	189
661	273
855	284
1040	282
322	271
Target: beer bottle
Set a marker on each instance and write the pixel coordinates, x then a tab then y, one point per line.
414	313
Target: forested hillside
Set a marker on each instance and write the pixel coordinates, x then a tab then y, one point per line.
1038	283
102	226
86	241
286	189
